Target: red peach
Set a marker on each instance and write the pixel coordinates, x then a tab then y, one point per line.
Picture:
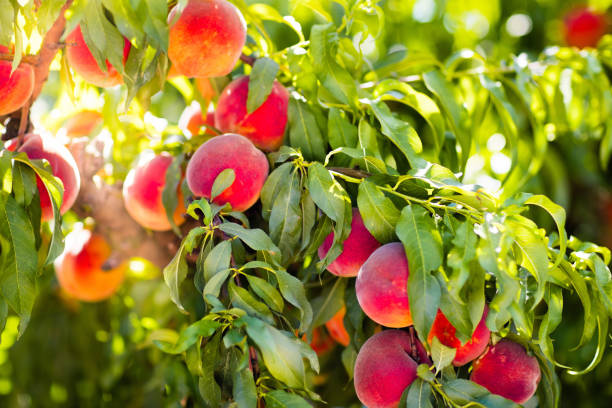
192	120
229	151
62	164
142	194
336	329
384	368
15	88
83	62
445	332
356	249
83	123
80	269
265	126
507	370
381	286
584	28
206	40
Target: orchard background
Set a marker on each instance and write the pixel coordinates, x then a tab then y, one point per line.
476	136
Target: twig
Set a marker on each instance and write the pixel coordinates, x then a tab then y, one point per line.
247	59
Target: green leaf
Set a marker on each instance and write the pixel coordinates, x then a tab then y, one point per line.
329	302
175	273
243	388
223	180
558	215
272	187
19	259
423	243
189	336
217	260
254	238
267	292
243	299
283	399
213	286
285	218
207	385
304	132
464	392
293	290
326	192
261	82
378	212
441	355
419	395
169	196
341	132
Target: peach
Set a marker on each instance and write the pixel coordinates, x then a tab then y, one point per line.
356	249
445	332
265	126
142	194
321	342
80	269
507	370
83	62
62	164
384	368
15	88
83	123
381	286
229	151
206	40
584	28
192	120
336	329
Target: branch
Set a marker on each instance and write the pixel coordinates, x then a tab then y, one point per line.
247	59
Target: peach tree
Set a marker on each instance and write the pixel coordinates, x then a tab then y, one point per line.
300	210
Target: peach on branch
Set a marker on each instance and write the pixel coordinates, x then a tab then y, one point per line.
381	286
584	28
62	164
229	151
356	249
15	88
336	329
81	269
206	39
385	366
142	194
445	332
192	120
507	370
265	126
83	62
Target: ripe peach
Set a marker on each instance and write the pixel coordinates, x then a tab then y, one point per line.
356	249
384	368
445	332
142	194
229	151
584	28
381	286
507	370
336	329
265	127
206	40
192	120
80	269
83	62
15	88
83	123
62	164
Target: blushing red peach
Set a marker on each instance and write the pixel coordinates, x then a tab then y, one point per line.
472	349
381	286
265	126
192	120
356	249
507	370
584	28
83	123
15	88
62	164
83	62
80	270
384	368
229	151
142	194
336	329
206	40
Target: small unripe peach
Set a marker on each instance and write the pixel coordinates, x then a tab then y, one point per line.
62	164
381	286
206	40
356	249
507	370
15	88
445	332
265	126
83	62
336	329
229	151
192	120
142	194
81	269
